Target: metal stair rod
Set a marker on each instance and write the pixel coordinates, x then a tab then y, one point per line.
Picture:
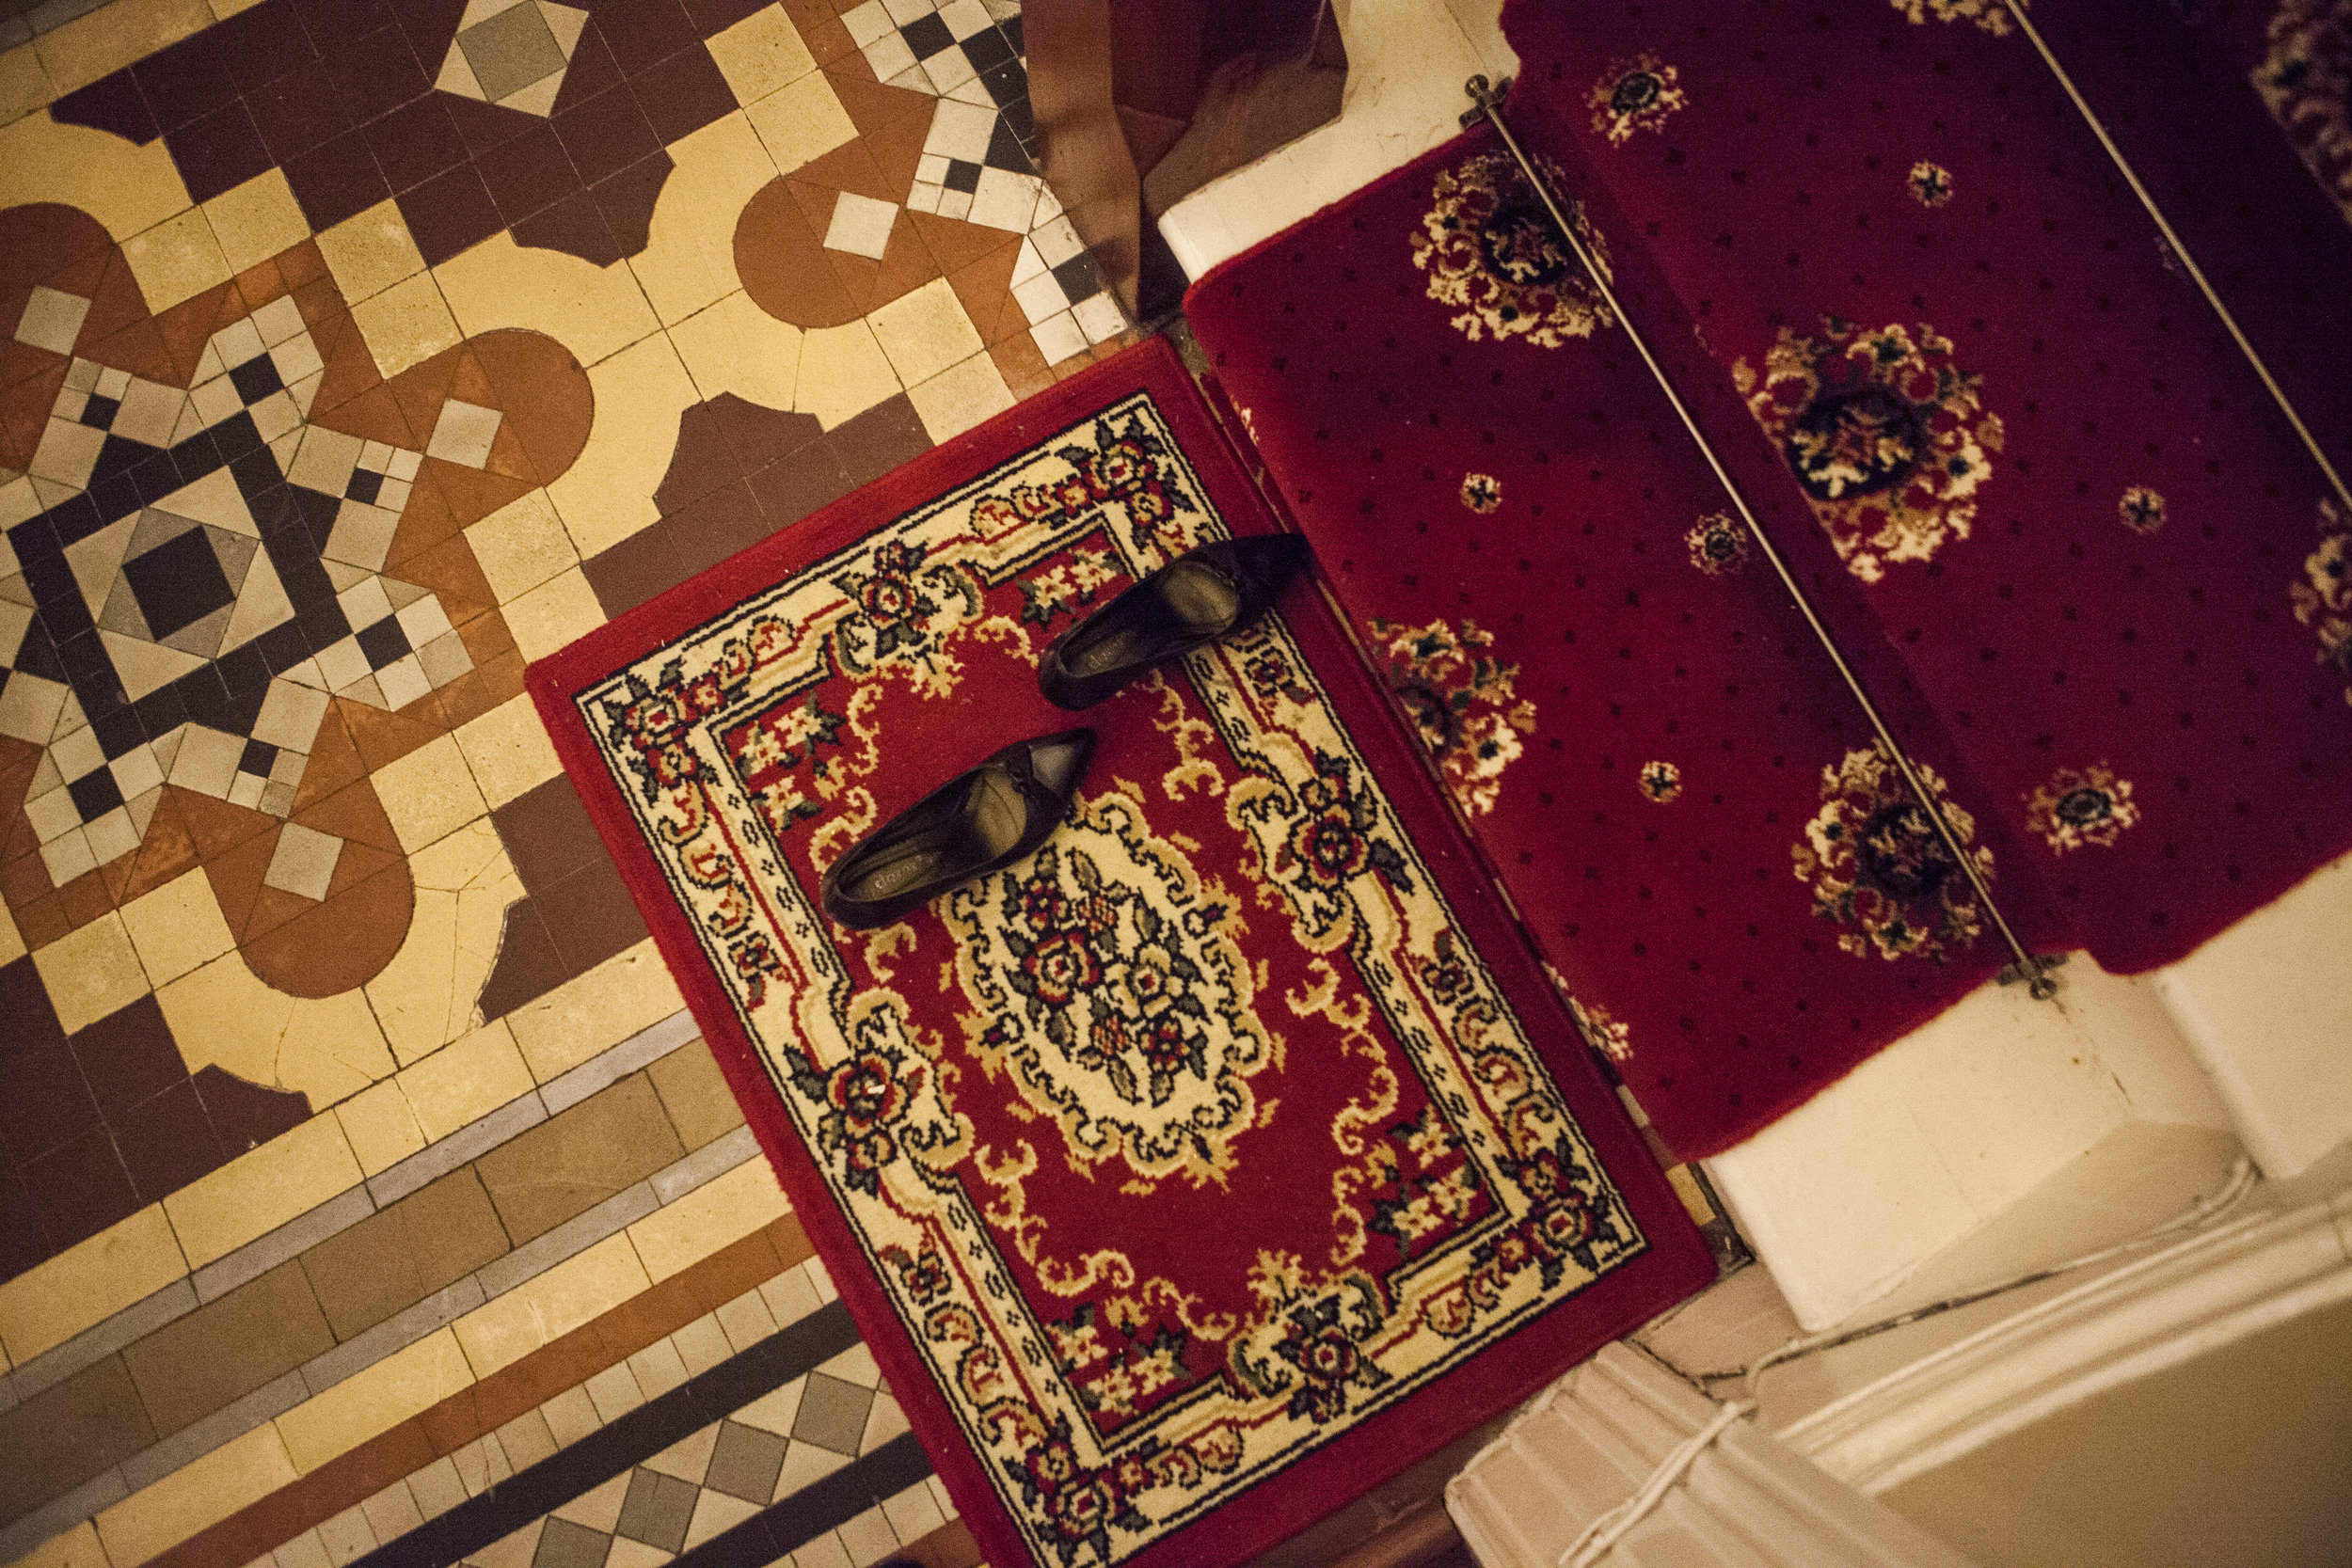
2035	972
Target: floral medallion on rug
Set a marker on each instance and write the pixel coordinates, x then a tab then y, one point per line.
1223	1157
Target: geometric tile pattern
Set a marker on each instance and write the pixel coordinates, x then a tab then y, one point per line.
512	53
204	572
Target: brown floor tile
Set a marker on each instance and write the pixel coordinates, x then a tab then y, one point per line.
379	73
24	1244
41	921
527	174
335	762
356	864
548	835
246	1115
298	112
984	288
215	825
490	684
450	212
791	487
577	1160
235	875
738	1267
391	1260
828	41
641	32
423	388
713	527
633	571
878	440
696	1095
783	265
228	1348
449	569
80	1188
62	1437
428	523
336	179
351	396
471	495
416	142
591	916
907	263
951	1546
128	1058
261	284
871	104
627	201
606	133
301	264
164	854
759	435
25	415
354	813
87	898
48	1101
327	949
139	349
383	738
528	967
572	226
682	94
218	152
167	1142
702	460
847	167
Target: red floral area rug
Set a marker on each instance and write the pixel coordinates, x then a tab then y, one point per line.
1212	1165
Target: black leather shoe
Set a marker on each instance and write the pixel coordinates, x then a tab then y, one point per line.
1194	599
976	822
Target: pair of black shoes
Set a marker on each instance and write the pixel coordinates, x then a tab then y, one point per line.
1001	810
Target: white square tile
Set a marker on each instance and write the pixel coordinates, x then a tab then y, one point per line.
790	1297
348	1537
855	1365
53	814
570	1417
912	1514
67	856
975	93
375	457
948	70
403	681
365	603
437	1488
1027	265
67	453
931	169
703	1344
889	56
861	225
423	620
304	1551
113	383
275	415
867	22
111	836
363	536
615	1392
393	1512
149	412
1041	297
341	666
296	358
71	405
82	377
1059	337
954	205
1057	241
51	319
961	131
463	434
216	400
904	11
965	18
868	1538
924	199
237	342
1099	317
207	761
325	460
135	771
405	463
277	321
824	1551
247	790
1005	201
775	1410
78	753
290	716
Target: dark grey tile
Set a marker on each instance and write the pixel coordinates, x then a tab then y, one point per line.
831	1413
657	1510
745	1462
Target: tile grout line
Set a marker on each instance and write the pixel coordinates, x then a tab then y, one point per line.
395	1334
265	1252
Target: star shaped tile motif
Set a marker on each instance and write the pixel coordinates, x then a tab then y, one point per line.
189	576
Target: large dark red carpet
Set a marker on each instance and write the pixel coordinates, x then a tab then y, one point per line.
1216	1162
2046	507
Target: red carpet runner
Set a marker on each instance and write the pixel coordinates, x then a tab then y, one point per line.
1219	1161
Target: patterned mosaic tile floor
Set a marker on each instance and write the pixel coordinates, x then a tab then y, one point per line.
356	1153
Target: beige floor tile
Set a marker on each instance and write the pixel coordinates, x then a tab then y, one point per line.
261	1190
802	120
594	312
557	613
407	325
85	1284
376	1400
582	1287
735	346
466	1080
960	396
238	1473
703	1344
688	1458
23	82
225	1015
105	40
76	1548
424	998
177	260
380	1127
508	750
607	494
92	973
575	1160
745	1321
429	794
177	927
843	374
615	1392
696	1095
129	189
256	220
925	332
707	1218
11	939
433	1237
658	1367
600	1509
521	545
688	259
626	993
526	1440
229	1347
760	53
370	252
